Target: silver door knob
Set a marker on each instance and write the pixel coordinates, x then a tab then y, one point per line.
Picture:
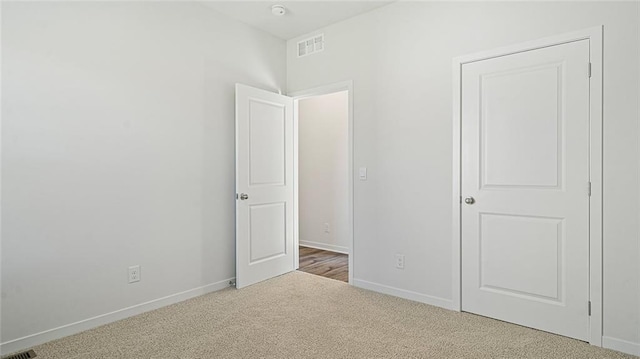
244	196
469	200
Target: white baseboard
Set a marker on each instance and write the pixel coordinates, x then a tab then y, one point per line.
621	345
324	246
73	328
402	293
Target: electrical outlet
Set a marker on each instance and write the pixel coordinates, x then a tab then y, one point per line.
134	274
327	229
400	261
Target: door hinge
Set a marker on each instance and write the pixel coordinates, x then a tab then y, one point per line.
589	70
589	189
589	308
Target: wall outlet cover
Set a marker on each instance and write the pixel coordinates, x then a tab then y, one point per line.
134	274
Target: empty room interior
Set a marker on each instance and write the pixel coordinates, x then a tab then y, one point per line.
320	179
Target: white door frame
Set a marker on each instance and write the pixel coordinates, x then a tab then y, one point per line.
318	91
595	36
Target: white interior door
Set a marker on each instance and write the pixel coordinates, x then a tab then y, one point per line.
525	188
264	185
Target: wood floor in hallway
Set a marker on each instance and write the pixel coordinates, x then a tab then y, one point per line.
324	263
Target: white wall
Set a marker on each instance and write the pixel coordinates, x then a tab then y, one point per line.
400	59
323	130
118	149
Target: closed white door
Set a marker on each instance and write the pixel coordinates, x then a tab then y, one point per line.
264	185
525	188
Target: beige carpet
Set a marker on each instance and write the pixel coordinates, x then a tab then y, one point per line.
300	315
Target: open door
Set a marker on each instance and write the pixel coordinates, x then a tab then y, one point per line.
264	185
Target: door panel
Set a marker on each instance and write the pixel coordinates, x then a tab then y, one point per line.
538	245
264	174
518	151
525	161
268	223
267	143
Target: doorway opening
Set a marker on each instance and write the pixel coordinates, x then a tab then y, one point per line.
324	182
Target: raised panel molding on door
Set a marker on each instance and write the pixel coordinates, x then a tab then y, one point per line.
527	145
515	152
539	245
264	185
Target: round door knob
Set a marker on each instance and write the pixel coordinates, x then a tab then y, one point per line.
469	200
244	196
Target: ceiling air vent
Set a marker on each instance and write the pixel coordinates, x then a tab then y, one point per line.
311	45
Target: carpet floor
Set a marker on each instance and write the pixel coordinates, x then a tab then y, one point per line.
299	315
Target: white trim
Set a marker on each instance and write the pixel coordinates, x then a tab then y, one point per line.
322	90
89	323
402	293
585	34
596	174
296	217
621	345
318	91
325	247
638	328
1	125
594	35
456	250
